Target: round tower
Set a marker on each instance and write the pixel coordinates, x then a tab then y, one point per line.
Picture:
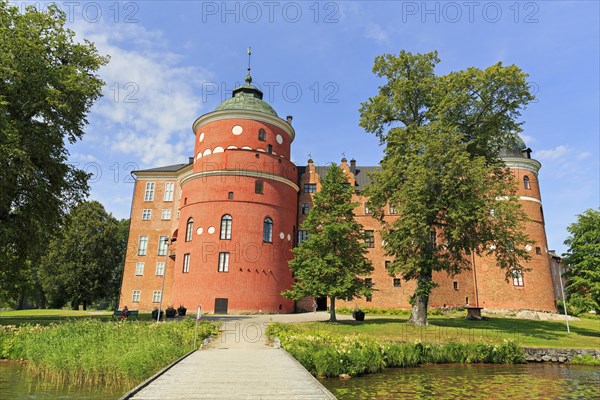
238	209
532	288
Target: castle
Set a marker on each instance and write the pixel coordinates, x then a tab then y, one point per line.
218	231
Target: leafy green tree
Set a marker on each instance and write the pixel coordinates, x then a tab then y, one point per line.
441	167
85	257
330	261
582	261
48	83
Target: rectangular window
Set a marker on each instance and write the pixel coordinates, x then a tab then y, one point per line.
139	269
223	262
310	187
230	196
368	211
433	238
149	195
517	275
166	214
186	262
538	250
143	246
455	284
146	214
258	187
397	282
160	268
156	296
270	148
302	236
304	208
368	283
393	210
135	296
388	263
162	246
370	238
169	186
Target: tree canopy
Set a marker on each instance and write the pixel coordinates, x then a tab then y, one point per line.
48	83
84	260
441	167
582	260
330	261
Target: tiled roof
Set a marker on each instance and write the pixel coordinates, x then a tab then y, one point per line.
168	168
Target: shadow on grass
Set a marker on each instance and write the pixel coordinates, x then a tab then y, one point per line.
49	319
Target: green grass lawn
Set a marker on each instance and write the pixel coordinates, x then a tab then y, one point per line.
45	317
585	333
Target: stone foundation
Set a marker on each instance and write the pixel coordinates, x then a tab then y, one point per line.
557	355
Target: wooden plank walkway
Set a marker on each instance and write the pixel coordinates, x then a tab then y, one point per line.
237	365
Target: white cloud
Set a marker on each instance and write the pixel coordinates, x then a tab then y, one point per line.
149	100
556	153
376	32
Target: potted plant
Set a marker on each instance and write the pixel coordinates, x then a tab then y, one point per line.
155	314
181	310
358	314
171	312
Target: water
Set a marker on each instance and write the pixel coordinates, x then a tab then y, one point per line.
17	383
482	381
446	381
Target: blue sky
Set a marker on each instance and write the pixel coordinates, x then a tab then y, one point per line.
172	61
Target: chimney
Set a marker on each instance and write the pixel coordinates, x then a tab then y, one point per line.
353	166
190	160
289	119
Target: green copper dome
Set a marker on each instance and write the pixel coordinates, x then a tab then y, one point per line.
247	97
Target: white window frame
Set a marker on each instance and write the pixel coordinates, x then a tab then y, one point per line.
139	269
135	296
156	296
149	193
166	214
304	207
146	214
160	268
223	262
186	262
169	189
143	245
162	245
302	236
517	276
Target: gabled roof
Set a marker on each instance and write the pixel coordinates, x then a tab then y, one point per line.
168	168
361	174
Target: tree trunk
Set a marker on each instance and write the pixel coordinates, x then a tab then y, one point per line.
21	299
332	317
75	305
418	315
84	305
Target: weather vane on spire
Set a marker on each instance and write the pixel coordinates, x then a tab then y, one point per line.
248	77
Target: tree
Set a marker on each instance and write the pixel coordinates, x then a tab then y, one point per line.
85	257
48	83
441	168
582	260
330	261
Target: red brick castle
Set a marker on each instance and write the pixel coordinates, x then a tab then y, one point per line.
221	227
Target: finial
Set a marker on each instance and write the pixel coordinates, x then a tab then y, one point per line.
248	77
309	155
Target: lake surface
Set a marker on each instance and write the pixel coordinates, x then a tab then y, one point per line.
446	381
17	383
482	381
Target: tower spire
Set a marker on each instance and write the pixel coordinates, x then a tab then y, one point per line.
249	77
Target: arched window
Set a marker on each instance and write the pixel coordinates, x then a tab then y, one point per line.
526	183
262	135
268	230
226	227
189	229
